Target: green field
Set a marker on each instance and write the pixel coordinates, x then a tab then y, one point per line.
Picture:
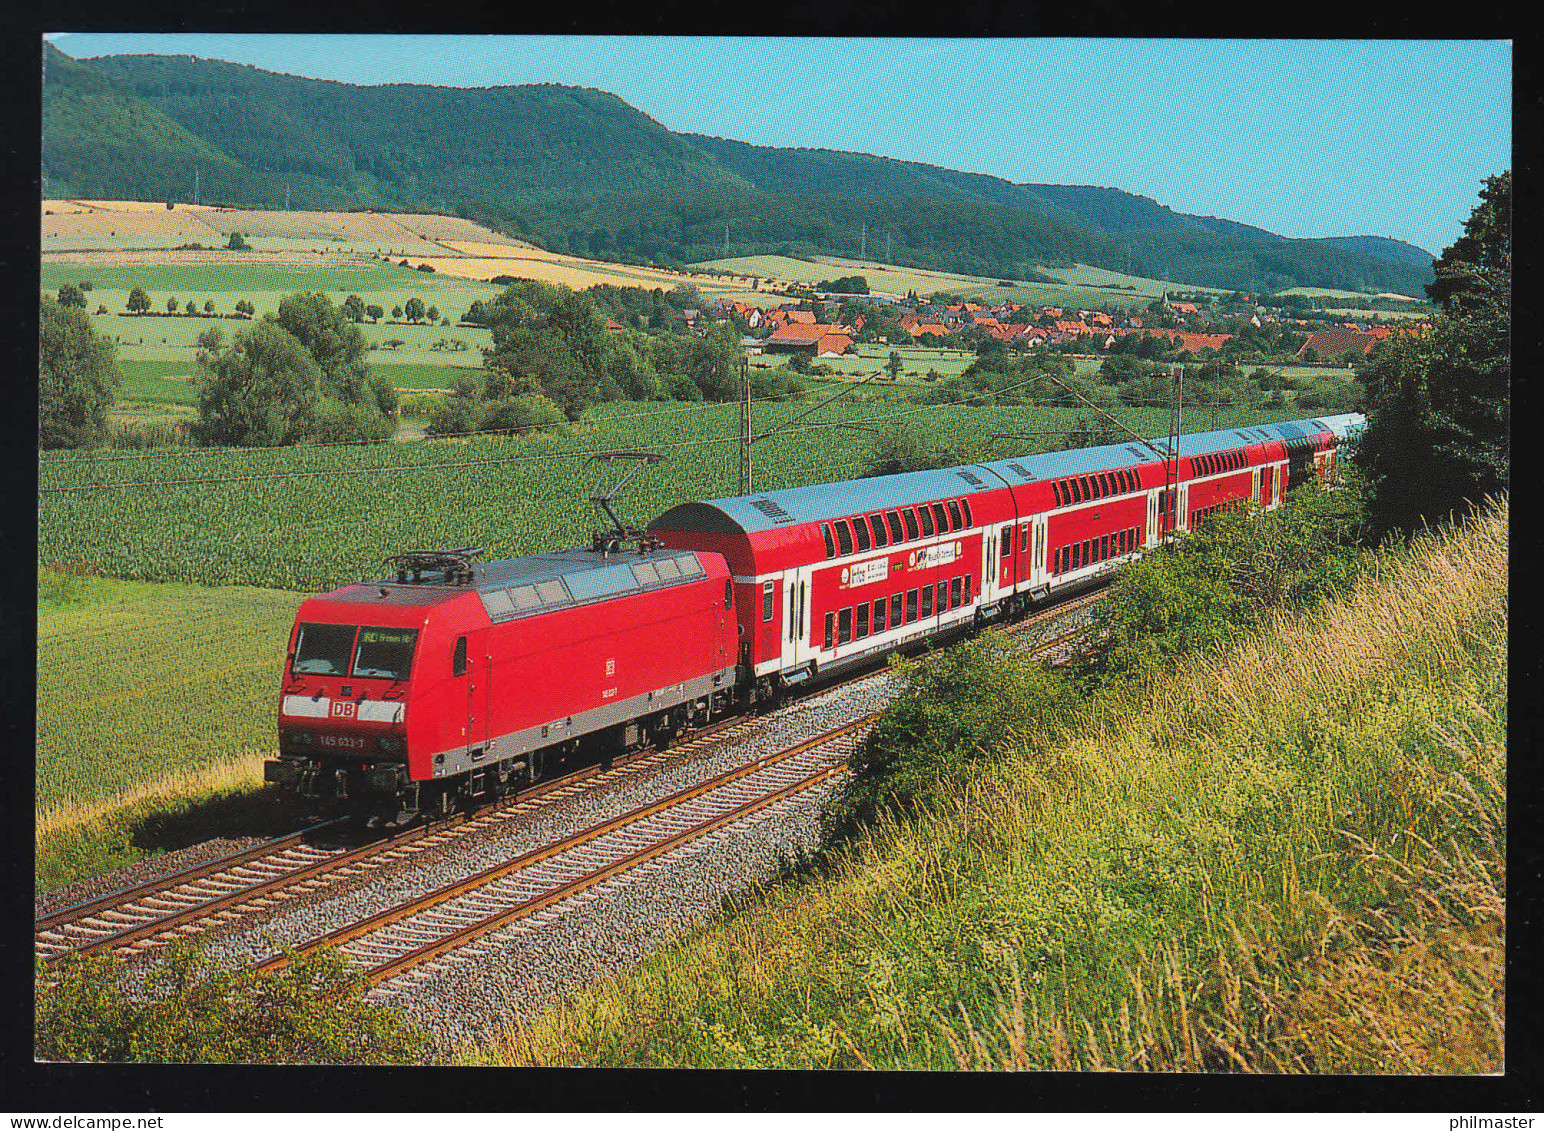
309	518
149	682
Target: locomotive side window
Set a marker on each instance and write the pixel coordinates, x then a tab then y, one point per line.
893	518
323	649
927	520
766	601
458	657
825	532
384	653
911	524
843	536
877	524
954	515
862	534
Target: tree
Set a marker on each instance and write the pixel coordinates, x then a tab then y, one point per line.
432	314
171	305
191	307
261	392
337	345
209	306
77	378
414	309
139	301
396	313
245	307
1439	413
354	308
893	365
374	313
237	243
70	295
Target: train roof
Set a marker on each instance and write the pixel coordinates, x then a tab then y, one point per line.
770	510
516	587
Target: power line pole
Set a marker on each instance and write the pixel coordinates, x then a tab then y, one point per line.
745	426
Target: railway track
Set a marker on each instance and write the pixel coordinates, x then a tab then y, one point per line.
394	942
145	918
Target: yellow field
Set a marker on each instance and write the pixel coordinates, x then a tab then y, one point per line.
482	260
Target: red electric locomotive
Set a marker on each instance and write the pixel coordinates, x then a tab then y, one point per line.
456	679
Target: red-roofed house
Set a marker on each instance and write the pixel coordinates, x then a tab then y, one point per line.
1195	343
928	328
1333	343
814	339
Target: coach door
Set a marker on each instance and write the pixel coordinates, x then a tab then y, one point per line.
795	627
1267	476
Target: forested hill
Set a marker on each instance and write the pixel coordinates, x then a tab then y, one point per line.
581	170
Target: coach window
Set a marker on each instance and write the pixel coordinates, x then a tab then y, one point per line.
1007	546
877	524
825	532
955	590
766	600
843	536
969	520
860	532
844	626
1024	538
954	515
830	630
927	600
458	657
967	588
927	520
1079	489
862	621
879	615
893	519
943	597
940	517
910	516
911	605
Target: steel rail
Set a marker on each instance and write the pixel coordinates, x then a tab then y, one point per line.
443	895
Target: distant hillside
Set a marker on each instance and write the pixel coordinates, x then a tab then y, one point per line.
580	170
1381	247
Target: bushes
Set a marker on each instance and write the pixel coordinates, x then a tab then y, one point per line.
312	1013
960	705
338	422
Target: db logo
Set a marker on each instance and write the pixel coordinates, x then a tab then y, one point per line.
343	709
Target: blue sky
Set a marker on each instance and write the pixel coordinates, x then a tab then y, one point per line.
1301	137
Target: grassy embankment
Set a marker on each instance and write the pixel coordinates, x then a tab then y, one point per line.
1287	856
155	708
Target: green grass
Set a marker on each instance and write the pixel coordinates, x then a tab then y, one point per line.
1287	857
143	683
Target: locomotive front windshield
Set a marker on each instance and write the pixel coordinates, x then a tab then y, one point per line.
385	653
378	653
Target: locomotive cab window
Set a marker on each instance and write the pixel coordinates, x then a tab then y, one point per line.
323	649
384	653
